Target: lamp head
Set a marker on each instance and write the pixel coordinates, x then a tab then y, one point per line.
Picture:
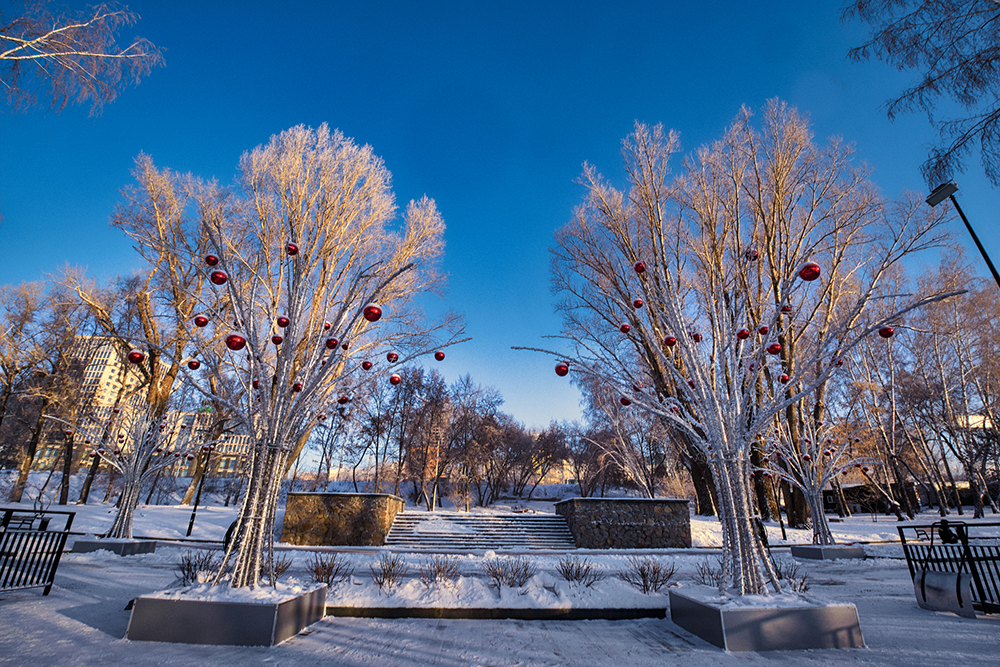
941	192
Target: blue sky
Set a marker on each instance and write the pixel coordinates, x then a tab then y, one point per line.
488	107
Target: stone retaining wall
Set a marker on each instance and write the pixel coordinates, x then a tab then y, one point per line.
627	523
339	519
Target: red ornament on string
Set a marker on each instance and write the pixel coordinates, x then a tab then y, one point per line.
367	365
297	386
292	249
277	340
783	379
344	345
218	277
774	348
343	400
763	330
637	304
669	341
786	309
282	321
395	379
235	342
809	271
696	337
624	401
743	334
625	328
640	267
201	321
562	369
326	326
886	332
372	312
751	255
331	343
691	383
439	355
194	364
392	357
136	356
211	260
256	384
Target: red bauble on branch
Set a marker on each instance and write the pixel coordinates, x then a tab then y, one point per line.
194	364
562	369
886	332
670	341
809	271
136	356
783	379
331	343
439	355
201	321
786	309
327	326
774	348
292	249
395	379
343	400
367	365
277	340
211	260
218	277
624	401
640	267
282	321
235	342
372	312
297	386
392	357
625	328
751	255
763	330
696	337
743	334
637	304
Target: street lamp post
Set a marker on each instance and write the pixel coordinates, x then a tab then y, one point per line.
207	450
948	190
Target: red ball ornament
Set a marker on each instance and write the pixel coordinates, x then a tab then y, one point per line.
640	267
670	341
809	271
696	337
283	321
843	472
190	457
297	386
838	362
395	379
201	321
743	334
331	343
343	400
806	457
292	249
562	369
326	326
367	365
774	348
786	309
277	340
321	418
763	330
886	332
392	357
218	277
372	312
211	260
691	383
439	355
256	384
235	342
194	364
752	255
624	401
68	433
344	345
784	379
136	356
93	455
624	328
864	469
637	304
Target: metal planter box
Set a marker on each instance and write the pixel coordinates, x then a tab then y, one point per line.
120	547
829	552
224	622
767	629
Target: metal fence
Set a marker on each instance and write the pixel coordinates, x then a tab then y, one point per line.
977	549
29	549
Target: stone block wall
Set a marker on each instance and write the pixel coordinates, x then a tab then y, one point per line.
339	519
627	523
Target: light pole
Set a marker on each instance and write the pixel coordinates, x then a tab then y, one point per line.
207	450
948	190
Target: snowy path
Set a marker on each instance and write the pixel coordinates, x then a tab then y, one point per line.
83	620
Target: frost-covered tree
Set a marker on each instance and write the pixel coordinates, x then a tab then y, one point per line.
748	279
314	294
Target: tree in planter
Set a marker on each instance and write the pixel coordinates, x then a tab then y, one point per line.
304	262
757	208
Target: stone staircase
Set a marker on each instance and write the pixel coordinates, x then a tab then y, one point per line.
459	531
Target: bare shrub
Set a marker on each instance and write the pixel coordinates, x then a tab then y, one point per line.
328	568
439	569
282	564
579	571
513	572
648	574
389	571
789	573
706	574
196	567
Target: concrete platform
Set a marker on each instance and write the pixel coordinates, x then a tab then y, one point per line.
224	623
120	547
826	552
767	629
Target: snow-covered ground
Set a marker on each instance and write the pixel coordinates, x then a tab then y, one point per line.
83	620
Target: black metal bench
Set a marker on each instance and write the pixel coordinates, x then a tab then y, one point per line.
29	551
958	546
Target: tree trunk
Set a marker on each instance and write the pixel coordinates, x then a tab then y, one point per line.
67	472
121	527
199	471
705	492
796	507
29	455
85	491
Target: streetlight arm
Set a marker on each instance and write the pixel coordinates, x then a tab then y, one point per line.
982	251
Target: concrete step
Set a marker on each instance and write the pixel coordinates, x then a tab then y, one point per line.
461	531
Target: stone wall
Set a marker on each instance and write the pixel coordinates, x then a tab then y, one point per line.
339	519
627	523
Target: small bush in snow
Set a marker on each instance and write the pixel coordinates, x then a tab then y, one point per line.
196	567
707	575
789	573
580	571
439	569
389	571
513	572
648	574
329	568
282	564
